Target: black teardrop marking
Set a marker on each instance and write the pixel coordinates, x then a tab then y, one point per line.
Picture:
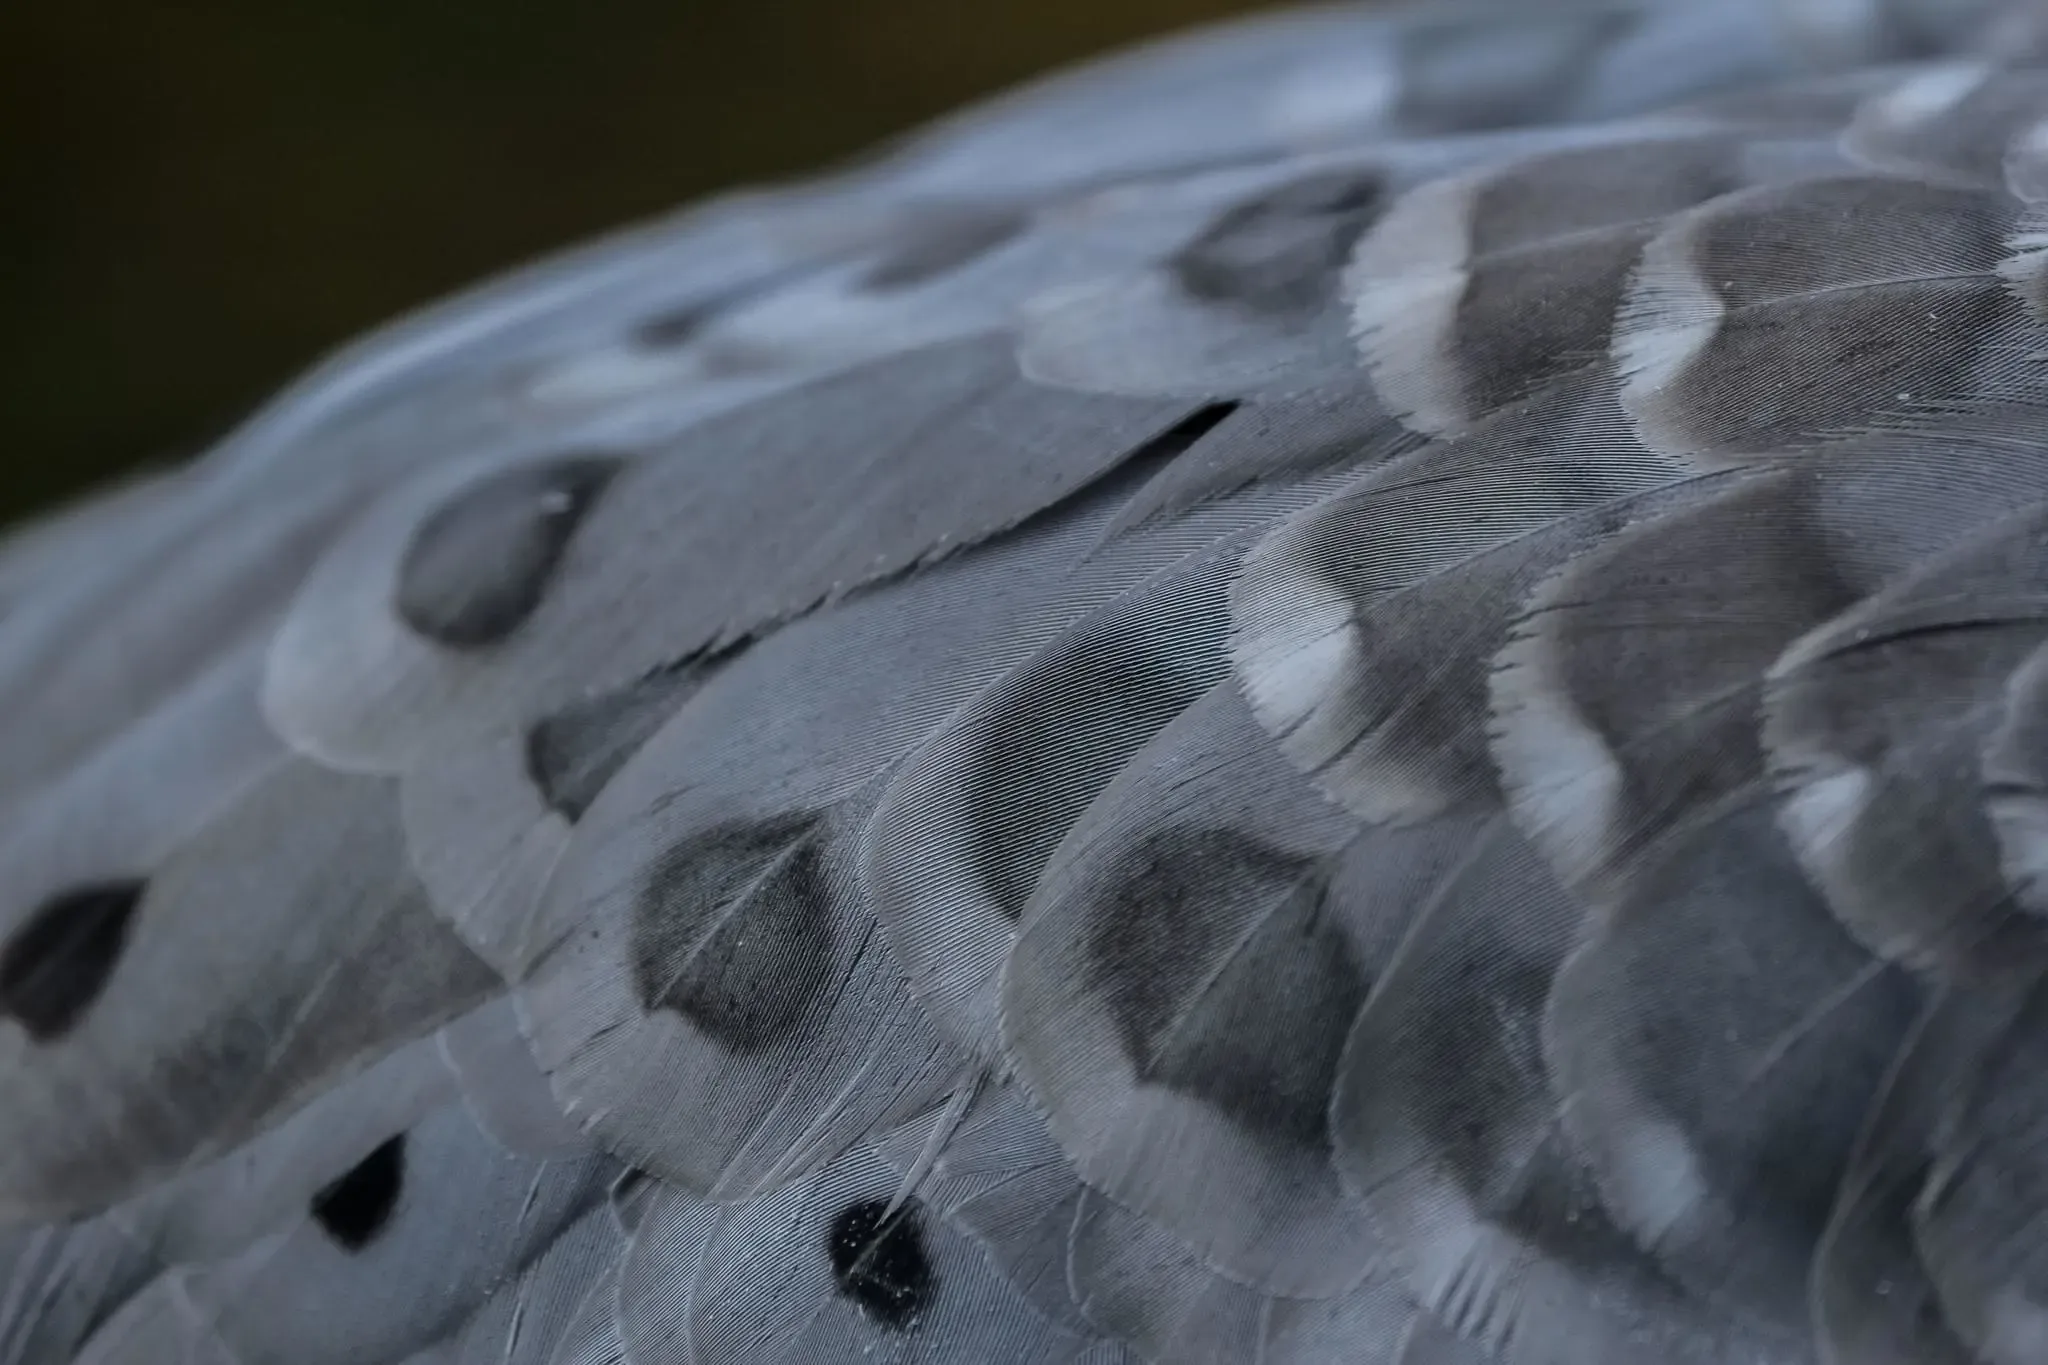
354	1208
1280	252
55	965
732	931
478	565
879	1262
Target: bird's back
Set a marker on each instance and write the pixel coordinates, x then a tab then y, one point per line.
1368	689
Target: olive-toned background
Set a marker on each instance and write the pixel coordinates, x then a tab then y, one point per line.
198	197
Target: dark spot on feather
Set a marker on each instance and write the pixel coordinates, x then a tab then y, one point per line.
1056	737
1048	753
880	1263
356	1207
1280	252
57	962
682	323
573	753
941	242
1228	979
478	565
731	931
677	326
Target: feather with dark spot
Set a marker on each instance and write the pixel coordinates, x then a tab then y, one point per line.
56	963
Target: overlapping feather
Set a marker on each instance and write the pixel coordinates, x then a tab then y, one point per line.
1368	688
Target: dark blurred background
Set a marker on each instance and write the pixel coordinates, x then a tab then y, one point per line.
197	199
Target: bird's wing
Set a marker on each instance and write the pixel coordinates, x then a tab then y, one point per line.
1370	687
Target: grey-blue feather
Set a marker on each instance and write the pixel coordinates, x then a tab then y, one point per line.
1366	687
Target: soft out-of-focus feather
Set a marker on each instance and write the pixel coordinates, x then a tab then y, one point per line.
69	538
374	1271
62	1282
505	1089
145	1031
121	811
100	645
1363	690
1954	121
268	1183
2015	792
1242	306
342	1166
1338	73
66	1282
1429	1342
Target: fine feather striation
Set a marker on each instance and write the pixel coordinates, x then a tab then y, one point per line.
1366	688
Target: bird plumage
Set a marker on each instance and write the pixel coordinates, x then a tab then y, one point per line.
1364	689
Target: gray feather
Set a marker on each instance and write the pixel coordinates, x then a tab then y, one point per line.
963	831
1882	782
1364	689
1872	1297
349	680
1187	966
1716	1043
1450	1135
1135	1281
843	1264
150	1037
